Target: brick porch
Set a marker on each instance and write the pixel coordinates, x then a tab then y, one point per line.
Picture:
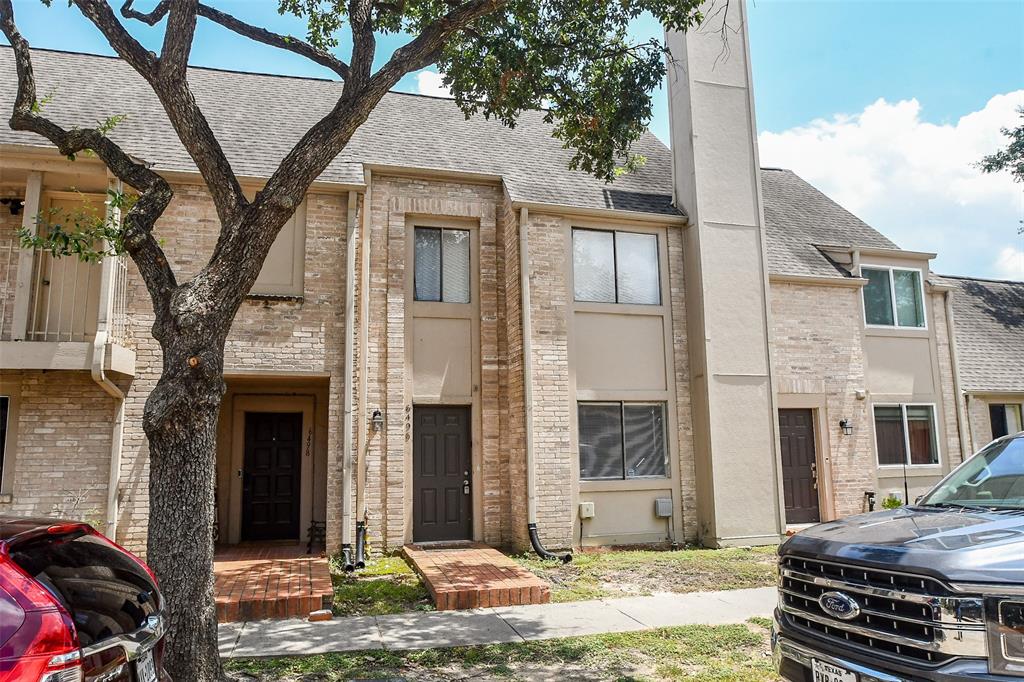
255	581
475	576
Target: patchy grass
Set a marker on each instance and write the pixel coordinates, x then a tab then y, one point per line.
386	585
593	575
697	653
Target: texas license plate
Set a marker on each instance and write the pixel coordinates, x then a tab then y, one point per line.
826	672
145	669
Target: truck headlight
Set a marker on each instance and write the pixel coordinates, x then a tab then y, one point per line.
1006	636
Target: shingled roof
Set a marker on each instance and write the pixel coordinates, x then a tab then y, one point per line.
988	317
258	118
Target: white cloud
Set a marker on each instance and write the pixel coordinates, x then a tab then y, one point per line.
1010	263
431	83
914	180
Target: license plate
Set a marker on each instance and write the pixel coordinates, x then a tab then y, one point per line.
826	672
145	669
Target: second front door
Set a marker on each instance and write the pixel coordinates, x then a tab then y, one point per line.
441	474
799	466
271	476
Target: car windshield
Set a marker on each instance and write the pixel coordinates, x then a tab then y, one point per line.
993	479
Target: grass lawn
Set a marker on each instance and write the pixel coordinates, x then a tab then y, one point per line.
386	585
593	575
734	653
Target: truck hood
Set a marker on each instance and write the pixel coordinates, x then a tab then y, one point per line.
949	544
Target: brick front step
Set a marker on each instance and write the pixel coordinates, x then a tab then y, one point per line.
474	576
253	582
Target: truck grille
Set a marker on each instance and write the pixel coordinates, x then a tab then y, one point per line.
915	619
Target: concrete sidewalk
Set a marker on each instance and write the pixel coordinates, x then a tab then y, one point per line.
440	629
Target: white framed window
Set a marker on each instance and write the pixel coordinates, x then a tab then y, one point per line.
442	265
893	297
611	266
1006	419
906	434
622	440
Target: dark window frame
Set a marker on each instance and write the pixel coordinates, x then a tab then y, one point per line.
440	264
622	404
615	266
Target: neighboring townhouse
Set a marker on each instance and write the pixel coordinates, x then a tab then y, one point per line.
988	316
701	351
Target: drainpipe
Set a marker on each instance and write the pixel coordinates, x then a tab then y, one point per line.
350	309
531	479
99	352
364	380
954	363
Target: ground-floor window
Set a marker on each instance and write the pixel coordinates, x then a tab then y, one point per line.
622	440
1006	419
906	434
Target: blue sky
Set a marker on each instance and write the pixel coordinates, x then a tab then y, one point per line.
883	105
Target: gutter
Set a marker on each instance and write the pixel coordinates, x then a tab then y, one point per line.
346	464
531	478
364	336
99	353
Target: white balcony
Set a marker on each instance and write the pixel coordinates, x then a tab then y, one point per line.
53	309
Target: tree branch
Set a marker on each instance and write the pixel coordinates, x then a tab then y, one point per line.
155	192
172	89
364	44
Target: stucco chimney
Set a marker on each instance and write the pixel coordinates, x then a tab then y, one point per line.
717	183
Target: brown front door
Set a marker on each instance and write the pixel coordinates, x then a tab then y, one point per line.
440	480
799	466
271	476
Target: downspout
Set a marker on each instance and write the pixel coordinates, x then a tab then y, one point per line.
531	480
99	352
954	363
364	380
350	309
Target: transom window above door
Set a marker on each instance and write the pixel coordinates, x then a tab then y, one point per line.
906	435
442	265
893	297
615	267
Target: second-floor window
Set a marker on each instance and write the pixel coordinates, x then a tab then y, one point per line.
615	267
442	271
893	297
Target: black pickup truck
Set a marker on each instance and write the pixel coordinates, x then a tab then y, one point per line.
932	591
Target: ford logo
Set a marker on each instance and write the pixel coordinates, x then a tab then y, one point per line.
839	605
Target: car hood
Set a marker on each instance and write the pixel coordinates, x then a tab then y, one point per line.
953	545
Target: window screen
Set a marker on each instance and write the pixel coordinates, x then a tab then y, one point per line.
615	267
907	288
622	440
920	427
878	297
892	442
441	265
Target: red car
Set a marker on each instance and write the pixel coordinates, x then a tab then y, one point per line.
75	606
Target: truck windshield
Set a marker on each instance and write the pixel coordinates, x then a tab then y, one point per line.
993	479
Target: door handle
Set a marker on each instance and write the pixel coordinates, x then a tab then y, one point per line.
465	487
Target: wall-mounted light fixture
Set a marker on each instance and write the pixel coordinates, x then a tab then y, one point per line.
13	205
376	421
846	426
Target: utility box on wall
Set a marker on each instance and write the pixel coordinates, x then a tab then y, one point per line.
663	507
586	510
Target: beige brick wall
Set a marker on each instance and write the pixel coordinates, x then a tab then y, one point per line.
62	462
817	351
284	337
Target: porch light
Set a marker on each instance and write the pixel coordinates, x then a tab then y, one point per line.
13	205
376	421
846	426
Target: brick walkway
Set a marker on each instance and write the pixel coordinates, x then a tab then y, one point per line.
254	581
475	576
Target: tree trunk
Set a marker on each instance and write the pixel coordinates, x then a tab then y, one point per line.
181	424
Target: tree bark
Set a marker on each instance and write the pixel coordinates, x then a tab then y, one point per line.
180	421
